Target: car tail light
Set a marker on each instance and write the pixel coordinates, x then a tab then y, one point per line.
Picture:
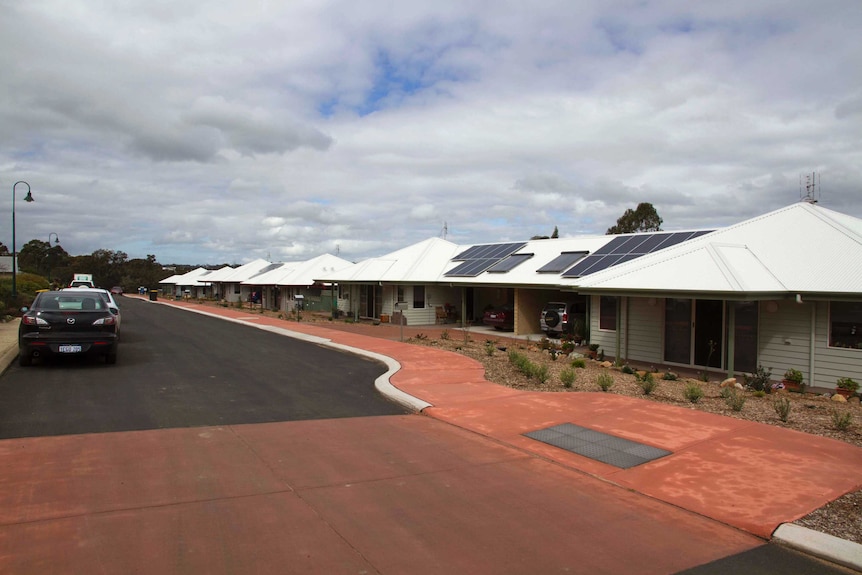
565	316
33	320
108	320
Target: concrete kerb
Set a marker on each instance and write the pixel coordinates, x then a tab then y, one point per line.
829	547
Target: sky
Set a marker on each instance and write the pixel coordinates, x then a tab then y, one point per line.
221	132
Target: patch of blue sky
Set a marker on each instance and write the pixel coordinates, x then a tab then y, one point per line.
621	36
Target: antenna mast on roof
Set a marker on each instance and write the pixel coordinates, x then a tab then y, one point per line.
812	188
445	229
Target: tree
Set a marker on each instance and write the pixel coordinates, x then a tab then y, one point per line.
644	218
556	233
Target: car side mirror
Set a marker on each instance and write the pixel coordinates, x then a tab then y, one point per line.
25	309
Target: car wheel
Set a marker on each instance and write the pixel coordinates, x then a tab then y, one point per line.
552	318
111	358
25	359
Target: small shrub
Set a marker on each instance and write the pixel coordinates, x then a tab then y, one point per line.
627	369
759	380
782	408
693	392
605	381
735	400
545	344
554	354
670	376
847	383
726	392
601	356
540	372
579	363
594	347
421	336
704	376
490	349
567	347
445	334
759	393
647	383
567	377
841	420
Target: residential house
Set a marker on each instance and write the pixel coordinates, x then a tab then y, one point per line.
292	285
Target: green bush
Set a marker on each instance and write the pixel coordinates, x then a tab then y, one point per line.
782	408
579	363
627	369
693	392
567	377
490	349
647	383
605	381
841	420
670	376
759	380
735	400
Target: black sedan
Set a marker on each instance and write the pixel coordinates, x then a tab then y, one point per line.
67	323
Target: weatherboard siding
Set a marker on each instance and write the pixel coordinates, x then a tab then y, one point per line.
833	362
785	338
644	330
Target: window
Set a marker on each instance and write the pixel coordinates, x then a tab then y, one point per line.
236	288
400	294
418	297
608	313
845	324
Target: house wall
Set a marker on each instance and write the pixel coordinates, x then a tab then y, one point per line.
435	296
784	337
607	339
644	329
833	362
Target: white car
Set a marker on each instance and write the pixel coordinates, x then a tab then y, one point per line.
107	296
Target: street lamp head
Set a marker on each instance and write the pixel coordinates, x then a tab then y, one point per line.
29	197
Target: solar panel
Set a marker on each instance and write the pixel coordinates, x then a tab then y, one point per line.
509	263
563	261
626	248
478	259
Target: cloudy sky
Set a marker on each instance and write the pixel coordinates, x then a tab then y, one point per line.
224	131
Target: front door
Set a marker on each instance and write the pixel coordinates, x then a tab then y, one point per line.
693	332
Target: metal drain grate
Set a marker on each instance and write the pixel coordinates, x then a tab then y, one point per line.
597	445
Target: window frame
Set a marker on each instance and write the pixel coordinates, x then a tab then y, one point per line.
607	313
853	323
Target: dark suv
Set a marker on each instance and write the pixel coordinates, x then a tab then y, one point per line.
560	317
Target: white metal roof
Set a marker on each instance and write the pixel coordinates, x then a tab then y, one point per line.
191	278
300	273
802	248
421	262
239	274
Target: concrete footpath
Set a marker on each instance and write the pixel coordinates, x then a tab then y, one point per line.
752	476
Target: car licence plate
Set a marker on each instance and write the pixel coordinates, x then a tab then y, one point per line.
70	349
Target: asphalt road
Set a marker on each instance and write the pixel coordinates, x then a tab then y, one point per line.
180	369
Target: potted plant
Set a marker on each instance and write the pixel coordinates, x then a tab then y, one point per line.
846	386
594	350
793	380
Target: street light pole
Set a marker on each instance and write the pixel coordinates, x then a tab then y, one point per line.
57	242
27	198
